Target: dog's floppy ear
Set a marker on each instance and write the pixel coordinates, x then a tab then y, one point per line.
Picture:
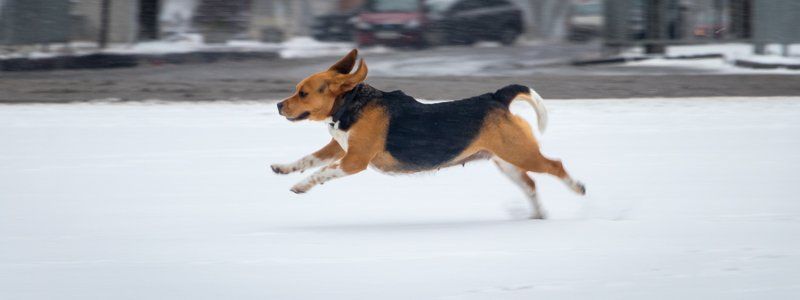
345	65
349	81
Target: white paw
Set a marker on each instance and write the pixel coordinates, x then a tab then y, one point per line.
281	169
300	188
576	186
579	188
539	215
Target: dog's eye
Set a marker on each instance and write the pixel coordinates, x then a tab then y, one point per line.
303	94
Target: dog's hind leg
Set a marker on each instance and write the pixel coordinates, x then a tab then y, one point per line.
529	159
524	182
328	154
510	138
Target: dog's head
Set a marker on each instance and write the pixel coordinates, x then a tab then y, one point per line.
314	96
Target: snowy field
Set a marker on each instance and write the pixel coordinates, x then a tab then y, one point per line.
687	198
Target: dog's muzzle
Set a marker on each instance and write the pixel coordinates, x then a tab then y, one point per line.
280	107
302	116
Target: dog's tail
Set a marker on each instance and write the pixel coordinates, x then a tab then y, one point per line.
515	91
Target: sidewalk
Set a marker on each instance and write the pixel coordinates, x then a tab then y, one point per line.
188	51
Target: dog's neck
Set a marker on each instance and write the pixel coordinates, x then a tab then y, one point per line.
348	106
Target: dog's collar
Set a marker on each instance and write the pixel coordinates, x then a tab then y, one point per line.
348	107
347	98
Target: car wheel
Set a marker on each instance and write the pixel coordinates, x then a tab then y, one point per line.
432	38
508	36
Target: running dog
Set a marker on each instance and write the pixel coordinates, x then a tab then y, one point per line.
395	133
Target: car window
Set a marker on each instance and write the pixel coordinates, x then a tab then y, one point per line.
589	9
495	3
393	5
440	6
468	5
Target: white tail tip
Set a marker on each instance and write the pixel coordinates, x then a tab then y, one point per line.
538	105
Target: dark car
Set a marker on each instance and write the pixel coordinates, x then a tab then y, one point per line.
438	22
334	27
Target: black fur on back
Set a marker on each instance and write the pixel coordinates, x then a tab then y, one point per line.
424	136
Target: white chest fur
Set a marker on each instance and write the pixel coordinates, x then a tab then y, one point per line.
339	135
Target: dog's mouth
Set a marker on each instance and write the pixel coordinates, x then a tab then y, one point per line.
302	116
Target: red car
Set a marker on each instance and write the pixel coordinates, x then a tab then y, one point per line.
436	22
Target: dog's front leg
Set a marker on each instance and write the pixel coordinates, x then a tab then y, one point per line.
327	173
328	154
356	160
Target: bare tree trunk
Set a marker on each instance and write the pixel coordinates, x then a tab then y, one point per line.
547	16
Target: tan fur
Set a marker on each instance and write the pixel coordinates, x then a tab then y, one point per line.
510	137
331	151
316	94
366	139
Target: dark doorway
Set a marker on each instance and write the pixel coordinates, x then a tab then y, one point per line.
148	19
741	14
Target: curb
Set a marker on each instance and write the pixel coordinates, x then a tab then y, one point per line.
619	60
698	56
204	57
91	61
113	60
764	66
609	60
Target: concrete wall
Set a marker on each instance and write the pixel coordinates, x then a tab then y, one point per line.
123	25
24	22
776	21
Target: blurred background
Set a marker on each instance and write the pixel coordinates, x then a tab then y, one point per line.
130	33
136	138
273	43
412	23
259	48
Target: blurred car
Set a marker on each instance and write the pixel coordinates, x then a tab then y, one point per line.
335	26
585	20
438	22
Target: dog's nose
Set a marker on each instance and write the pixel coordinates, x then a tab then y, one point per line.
280	105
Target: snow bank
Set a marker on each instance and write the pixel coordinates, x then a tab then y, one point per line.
712	65
309	47
297	47
688	198
730	52
179	44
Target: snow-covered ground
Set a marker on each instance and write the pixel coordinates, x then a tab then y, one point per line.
688	198
292	48
730	50
711	66
725	65
296	47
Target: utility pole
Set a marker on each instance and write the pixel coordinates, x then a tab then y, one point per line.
105	12
654	26
718	20
546	15
148	19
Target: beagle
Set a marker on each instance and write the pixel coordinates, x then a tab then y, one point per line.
395	133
